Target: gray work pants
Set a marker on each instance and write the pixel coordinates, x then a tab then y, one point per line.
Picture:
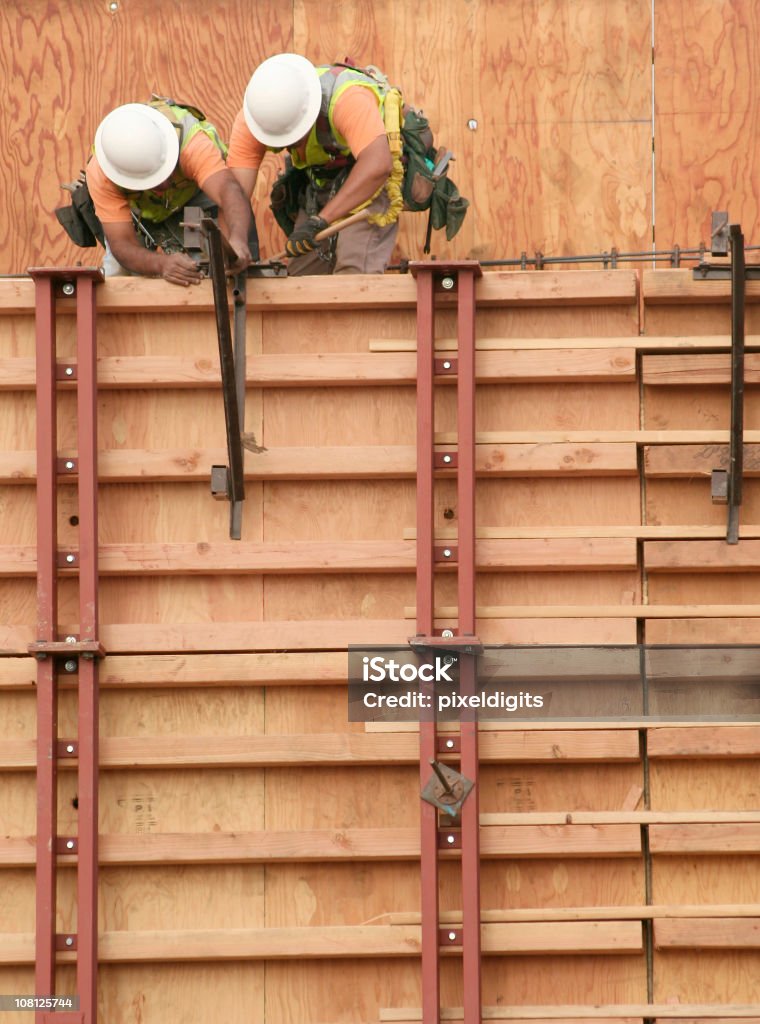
359	249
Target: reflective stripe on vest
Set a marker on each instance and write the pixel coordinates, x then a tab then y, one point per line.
154	206
325	146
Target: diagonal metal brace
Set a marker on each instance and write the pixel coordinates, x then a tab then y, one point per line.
727	483
227	481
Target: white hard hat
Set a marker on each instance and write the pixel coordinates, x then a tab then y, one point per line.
282	100
136	146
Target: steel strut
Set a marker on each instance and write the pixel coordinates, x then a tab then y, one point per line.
447	793
227	481
76	656
727	239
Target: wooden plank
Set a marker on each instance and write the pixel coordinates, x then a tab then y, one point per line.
138	295
170	670
704	741
707	933
701	556
574	1012
532	1020
664	343
706	838
675	531
598	627
328	942
736	626
237	558
336	369
693	370
582	936
678	287
655	819
171	751
640	611
270	846
594	840
367	462
641	437
697	460
307	845
643	912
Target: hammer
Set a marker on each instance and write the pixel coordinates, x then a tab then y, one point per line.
331	230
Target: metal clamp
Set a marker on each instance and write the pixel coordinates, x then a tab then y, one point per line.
447	789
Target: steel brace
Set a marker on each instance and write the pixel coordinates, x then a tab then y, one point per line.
75	656
449	815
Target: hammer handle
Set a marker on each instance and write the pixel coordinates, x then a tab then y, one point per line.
331	230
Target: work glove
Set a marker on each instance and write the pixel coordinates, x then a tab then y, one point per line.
303	240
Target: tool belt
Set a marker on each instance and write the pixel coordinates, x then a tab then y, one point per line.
78	219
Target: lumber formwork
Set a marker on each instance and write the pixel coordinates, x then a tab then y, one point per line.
259	854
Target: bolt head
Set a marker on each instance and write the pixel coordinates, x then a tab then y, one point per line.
447	633
69	844
472	124
70	559
447	283
69	941
71	639
450	744
446	363
452	936
447	458
68	288
69	371
70	665
69	464
449	839
447	552
69	748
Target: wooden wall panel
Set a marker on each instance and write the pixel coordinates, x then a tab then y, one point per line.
560	160
185	718
563	110
67	68
706	88
560	95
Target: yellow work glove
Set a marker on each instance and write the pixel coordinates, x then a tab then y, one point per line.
303	240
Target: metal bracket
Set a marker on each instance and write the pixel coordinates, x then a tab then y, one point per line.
726	484
447	789
192	237
446	642
227	481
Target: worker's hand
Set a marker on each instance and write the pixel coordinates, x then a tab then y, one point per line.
179	268
303	240
244	257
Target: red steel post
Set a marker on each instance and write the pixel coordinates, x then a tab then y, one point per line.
425	622
87	865
468	729
49	646
47	627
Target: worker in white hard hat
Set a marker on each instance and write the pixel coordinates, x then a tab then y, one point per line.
331	121
150	161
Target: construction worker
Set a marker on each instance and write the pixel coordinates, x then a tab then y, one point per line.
331	121
150	161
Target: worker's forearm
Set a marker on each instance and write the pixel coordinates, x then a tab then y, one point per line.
137	259
235	209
